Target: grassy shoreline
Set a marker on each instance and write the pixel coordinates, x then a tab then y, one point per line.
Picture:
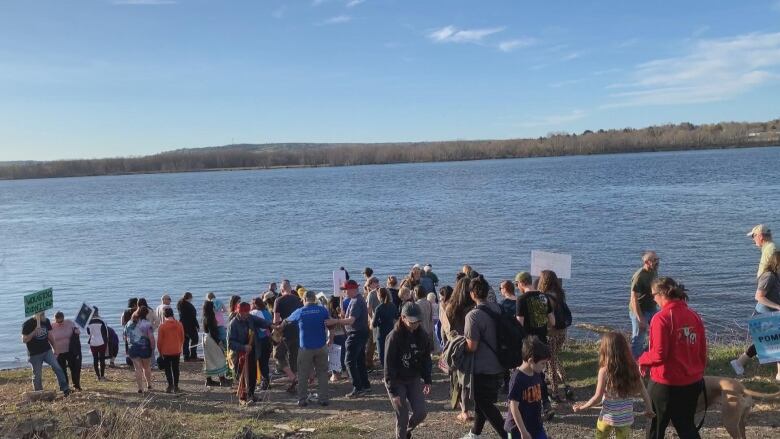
118	411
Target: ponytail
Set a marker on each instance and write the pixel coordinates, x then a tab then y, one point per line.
669	288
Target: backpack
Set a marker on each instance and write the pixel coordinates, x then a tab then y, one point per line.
509	335
561	312
113	343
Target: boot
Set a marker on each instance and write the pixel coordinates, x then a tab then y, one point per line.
211	383
224	382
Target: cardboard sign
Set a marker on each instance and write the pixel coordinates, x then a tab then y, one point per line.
84	315
339	277
560	263
37	302
765	332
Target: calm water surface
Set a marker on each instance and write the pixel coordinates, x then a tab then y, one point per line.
101	240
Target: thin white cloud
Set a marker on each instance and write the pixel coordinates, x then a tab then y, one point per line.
700	31
338	19
144	2
278	13
510	45
572	56
554	120
317	2
451	34
627	43
607	72
712	70
353	3
565	83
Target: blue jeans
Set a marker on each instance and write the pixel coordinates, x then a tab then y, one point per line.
356	359
37	366
639	337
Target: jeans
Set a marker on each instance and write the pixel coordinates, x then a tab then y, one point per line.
356	359
485	396
639	337
37	366
171	363
72	361
676	404
410	394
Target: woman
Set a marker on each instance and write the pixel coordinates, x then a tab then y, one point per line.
767	300
140	339
408	370
445	293
459	304
676	359
550	285
338	335
215	364
233	307
384	319
188	317
98	344
67	347
127	314
262	342
170	338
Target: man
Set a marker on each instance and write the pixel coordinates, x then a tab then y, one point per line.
367	273
36	334
508	302
428	272
356	325
243	351
392	288
313	320
642	306
165	302
286	354
372	295
762	237
272	289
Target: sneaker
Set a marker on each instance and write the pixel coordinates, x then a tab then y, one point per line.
177	390
739	370
66	392
324	403
302	403
355	393
366	391
471	435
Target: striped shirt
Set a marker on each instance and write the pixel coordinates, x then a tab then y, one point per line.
617	412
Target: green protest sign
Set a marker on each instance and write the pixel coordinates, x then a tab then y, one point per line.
37	302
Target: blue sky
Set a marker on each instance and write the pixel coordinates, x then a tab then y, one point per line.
104	78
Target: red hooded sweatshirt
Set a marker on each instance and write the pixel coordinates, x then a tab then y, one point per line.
677	354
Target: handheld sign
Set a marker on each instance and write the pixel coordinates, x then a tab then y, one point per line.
339	277
558	262
38	302
84	315
765	332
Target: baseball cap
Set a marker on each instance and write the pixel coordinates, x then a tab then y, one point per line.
349	285
411	311
759	230
523	277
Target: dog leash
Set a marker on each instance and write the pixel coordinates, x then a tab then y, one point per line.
704	389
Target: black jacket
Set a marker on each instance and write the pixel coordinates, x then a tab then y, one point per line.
407	356
188	317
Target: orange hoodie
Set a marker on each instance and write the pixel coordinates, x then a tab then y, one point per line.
170	337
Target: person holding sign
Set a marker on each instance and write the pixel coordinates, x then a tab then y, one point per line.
67	347
36	334
767	300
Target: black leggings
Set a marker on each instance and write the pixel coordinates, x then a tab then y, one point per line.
171	363
69	360
99	363
264	357
676	404
485	396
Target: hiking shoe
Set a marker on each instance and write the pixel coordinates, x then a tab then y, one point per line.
739	370
355	393
302	403
366	390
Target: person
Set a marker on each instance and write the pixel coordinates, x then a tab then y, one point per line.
151	317
641	306
445	293
762	237
392	287
482	342
508	304
371	290
140	339
676	360
413	278
272	289
98	344
159	312
286	354
170	341
524	414
188	317
233	307
421	299
127	314
36	334
355	322
534	310
241	332
338	336
767	300
219	315
66	349
550	285
407	372
262	342
618	381
214	363
435	327
313	320
456	309
383	321
428	272
404	296
368	272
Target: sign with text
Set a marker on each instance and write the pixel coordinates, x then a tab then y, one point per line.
37	302
84	315
765	332
339	277
560	263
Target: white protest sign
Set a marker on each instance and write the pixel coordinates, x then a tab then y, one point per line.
560	263
339	277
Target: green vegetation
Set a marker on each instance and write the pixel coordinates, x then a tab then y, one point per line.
682	136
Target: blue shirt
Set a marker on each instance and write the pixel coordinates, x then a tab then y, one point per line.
527	391
311	324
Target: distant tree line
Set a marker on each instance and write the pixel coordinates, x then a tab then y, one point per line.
655	138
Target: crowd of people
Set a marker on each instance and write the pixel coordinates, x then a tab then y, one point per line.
490	344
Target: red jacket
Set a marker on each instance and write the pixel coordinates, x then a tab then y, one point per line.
678	346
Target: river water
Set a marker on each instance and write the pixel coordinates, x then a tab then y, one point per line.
101	240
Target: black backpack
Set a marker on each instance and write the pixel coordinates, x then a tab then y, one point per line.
561	312
509	335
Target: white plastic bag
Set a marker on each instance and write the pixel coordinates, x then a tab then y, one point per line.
334	358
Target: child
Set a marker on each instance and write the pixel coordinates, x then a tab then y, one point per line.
524	419
618	381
